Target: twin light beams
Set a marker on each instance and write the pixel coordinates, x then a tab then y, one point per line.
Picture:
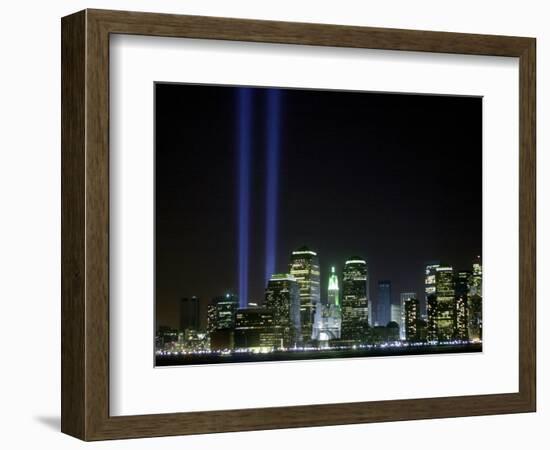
244	151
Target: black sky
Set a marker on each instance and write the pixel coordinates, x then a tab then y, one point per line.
393	178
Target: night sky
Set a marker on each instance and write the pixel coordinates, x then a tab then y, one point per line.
393	178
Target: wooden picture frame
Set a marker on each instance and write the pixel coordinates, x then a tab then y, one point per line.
85	224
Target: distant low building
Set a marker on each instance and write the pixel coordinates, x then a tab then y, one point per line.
166	339
255	329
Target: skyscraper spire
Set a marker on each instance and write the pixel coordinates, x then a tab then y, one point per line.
333	290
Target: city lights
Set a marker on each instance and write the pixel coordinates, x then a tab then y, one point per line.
297	319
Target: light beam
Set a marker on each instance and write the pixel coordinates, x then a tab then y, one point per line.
244	118
273	118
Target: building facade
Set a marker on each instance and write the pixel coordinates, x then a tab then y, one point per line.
355	311
189	314
221	321
462	288
383	303
282	297
327	324
411	325
255	329
403	297
475	303
441	306
304	267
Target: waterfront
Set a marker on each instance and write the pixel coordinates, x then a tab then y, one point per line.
180	359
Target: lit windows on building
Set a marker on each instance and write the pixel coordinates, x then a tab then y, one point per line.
475	303
411	308
221	321
461	297
328	315
402	299
441	306
282	297
255	329
355	311
304	266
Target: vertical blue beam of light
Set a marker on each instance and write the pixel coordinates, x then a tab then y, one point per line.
273	118
244	118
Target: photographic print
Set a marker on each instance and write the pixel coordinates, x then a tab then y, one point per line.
295	224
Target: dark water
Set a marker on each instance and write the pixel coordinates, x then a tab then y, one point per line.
181	360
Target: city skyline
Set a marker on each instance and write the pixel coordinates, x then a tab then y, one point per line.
330	141
393	302
291	323
392	178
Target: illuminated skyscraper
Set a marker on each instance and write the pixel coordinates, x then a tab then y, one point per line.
304	266
383	303
333	289
221	312
402	299
355	312
441	306
221	321
475	303
411	308
282	296
461	303
189	314
429	284
328	316
476	282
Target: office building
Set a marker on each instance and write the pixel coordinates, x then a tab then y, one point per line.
304	267
282	297
403	297
411	308
355	312
328	316
189	314
255	329
441	306
383	303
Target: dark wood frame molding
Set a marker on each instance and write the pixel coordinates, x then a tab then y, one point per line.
85	224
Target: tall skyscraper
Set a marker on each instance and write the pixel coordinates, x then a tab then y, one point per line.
383	303
328	315
333	289
442	306
304	266
475	303
402	299
429	284
462	288
355	312
221	312
476	282
221	321
189	313
411	308
282	296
